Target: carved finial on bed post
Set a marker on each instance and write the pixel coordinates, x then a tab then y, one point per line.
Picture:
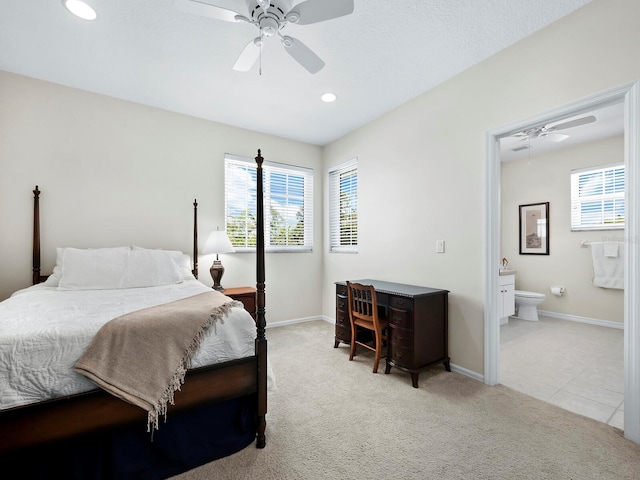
36	236
261	340
195	238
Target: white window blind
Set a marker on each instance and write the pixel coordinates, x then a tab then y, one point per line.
288	205
597	198
343	207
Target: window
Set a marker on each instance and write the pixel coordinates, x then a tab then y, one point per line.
288	205
597	198
343	207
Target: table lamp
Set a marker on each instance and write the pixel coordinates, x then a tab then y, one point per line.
218	242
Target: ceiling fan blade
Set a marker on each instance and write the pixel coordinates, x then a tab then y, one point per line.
302	54
575	123
206	10
248	56
314	11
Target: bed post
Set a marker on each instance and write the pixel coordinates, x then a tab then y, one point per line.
261	340
195	238
36	236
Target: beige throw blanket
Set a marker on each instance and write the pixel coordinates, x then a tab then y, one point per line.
142	356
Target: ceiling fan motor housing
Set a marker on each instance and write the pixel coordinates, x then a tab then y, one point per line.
271	16
277	12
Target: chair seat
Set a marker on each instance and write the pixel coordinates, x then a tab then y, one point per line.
366	324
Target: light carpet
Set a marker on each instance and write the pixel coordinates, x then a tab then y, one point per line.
331	418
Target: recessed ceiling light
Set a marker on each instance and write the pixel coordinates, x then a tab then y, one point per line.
329	97
80	9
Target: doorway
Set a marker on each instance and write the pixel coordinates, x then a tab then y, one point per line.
629	95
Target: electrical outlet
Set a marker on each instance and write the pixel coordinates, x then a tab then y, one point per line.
439	246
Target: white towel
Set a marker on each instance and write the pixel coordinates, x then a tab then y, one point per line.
610	249
608	271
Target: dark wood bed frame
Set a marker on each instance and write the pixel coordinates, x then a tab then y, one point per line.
97	411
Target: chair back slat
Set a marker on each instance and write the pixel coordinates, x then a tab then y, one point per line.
362	301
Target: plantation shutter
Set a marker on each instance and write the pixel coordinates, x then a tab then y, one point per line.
343	208
597	198
288	205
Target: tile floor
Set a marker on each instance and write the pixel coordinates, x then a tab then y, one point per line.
577	366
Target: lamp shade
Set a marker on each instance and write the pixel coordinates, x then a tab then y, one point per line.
218	242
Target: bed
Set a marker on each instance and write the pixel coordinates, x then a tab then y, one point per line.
55	421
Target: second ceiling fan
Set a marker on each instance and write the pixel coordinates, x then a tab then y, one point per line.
550	132
271	16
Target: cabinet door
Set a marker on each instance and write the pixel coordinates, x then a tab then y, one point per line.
507	293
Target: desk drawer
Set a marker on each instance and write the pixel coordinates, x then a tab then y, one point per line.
401	303
402	357
342	319
343	333
342	303
401	338
401	318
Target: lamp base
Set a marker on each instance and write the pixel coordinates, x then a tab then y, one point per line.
216	271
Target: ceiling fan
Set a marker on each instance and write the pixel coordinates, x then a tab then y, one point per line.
271	16
550	132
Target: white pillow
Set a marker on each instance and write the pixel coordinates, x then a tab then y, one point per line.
182	259
54	279
114	268
94	268
150	268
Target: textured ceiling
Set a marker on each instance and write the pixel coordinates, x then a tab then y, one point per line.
150	52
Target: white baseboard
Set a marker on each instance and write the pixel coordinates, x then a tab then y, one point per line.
466	372
579	319
295	320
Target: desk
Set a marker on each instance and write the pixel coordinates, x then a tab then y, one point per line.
418	318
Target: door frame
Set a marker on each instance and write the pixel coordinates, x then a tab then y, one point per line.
629	95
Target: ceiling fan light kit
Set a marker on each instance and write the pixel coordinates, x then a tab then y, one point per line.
80	9
329	97
270	17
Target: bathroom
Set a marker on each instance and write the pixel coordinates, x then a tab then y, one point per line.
552	372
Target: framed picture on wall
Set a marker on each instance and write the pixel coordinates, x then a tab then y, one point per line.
534	229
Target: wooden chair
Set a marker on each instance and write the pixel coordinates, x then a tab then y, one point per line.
363	312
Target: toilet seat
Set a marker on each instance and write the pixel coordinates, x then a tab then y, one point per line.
526	294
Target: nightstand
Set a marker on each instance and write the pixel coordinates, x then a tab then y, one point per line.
246	295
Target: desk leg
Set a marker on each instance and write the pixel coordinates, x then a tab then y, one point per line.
414	379
447	365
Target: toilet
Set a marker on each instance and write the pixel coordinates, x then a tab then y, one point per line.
527	303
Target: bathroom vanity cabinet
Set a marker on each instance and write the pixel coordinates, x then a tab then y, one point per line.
507	302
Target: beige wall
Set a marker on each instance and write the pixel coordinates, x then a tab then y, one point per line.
118	173
546	178
421	165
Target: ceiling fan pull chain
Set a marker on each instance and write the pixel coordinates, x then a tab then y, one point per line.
261	43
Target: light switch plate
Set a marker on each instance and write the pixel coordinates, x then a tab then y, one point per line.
439	246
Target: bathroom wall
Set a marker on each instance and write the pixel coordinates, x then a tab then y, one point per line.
546	178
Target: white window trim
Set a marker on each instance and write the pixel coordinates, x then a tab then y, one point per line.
334	207
268	167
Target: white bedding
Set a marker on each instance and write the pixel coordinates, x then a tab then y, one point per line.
44	330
